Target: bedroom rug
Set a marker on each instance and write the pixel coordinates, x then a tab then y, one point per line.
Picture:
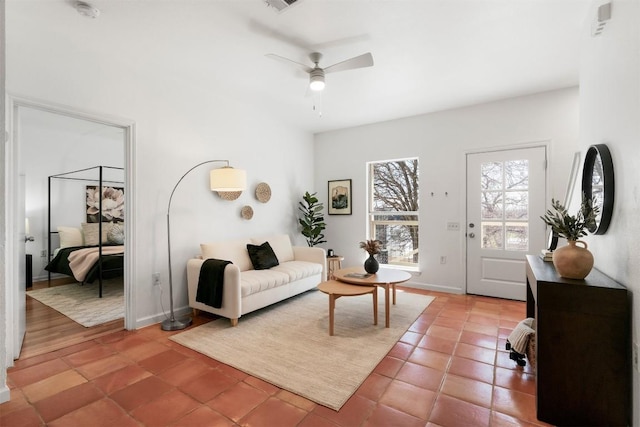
288	344
81	303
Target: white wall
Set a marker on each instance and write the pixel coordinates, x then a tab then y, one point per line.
4	390
610	114
177	126
440	141
53	144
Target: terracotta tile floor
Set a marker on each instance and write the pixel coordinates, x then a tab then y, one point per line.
449	369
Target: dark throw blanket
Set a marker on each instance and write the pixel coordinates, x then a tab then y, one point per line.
210	282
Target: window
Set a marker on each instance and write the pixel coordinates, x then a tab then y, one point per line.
393	211
505	205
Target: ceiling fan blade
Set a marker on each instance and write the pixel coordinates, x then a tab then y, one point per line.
306	68
364	60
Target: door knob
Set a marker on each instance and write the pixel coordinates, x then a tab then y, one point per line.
472	235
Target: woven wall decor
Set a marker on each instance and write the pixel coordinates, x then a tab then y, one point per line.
263	192
246	212
229	195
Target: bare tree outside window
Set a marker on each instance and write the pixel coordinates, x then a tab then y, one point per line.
394	210
505	205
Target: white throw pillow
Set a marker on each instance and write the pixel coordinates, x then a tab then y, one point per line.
115	235
90	231
281	245
233	250
70	237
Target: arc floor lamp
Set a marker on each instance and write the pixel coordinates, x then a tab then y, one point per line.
223	179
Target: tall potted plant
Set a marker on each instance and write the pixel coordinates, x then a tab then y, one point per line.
312	220
573	261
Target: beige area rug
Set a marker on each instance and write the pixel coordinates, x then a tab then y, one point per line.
81	302
288	344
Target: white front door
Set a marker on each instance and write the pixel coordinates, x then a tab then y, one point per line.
505	199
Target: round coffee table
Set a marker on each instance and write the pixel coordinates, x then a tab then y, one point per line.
385	278
336	289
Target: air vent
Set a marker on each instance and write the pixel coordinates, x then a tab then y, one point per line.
604	15
281	5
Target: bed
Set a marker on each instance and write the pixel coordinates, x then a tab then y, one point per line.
111	264
93	251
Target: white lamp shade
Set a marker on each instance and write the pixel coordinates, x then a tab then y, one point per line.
228	179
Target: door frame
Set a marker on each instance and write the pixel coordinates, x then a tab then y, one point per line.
532	144
13	104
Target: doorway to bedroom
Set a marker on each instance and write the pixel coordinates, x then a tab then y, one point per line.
72	174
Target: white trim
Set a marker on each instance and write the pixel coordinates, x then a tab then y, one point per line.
157	319
13	103
516	146
5	394
431	287
10	231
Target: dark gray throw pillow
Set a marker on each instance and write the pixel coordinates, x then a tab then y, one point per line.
262	257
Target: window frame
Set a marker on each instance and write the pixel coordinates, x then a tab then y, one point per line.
372	214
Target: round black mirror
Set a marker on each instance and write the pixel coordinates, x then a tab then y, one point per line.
598	185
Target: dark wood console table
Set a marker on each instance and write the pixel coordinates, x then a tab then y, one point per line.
583	351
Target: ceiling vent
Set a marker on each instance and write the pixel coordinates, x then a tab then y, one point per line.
86	10
603	16
281	5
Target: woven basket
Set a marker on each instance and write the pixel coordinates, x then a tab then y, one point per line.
263	192
531	351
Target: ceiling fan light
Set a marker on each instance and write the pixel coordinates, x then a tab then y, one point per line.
316	83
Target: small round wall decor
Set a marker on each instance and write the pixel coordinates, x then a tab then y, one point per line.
246	212
263	192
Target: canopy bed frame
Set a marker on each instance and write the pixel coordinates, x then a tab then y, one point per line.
109	262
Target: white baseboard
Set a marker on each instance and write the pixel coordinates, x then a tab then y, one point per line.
160	317
5	394
436	288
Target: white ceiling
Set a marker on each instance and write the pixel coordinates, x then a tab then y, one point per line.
429	55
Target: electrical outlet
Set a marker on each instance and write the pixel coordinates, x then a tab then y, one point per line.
43	253
635	357
443	259
156	279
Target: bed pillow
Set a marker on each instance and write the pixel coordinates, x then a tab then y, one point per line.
115	235
90	231
262	257
70	237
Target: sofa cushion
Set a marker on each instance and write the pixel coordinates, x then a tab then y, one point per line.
281	245
297	270
262	256
254	281
231	250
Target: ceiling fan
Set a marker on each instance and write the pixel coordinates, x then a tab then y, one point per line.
316	74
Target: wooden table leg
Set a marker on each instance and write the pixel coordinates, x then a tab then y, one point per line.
375	305
394	293
332	305
386	305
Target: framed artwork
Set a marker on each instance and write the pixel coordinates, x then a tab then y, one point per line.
340	197
112	204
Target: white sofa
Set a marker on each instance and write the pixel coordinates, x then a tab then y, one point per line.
246	289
